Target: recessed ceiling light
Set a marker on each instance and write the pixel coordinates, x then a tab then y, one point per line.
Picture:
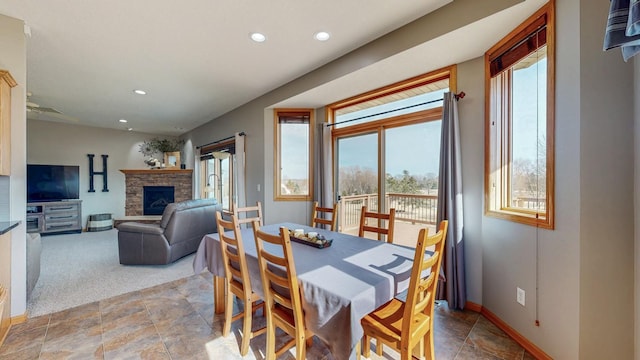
322	36
123	120
258	37
129	129
140	92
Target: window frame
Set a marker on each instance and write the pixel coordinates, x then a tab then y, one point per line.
380	126
206	170
277	156
501	116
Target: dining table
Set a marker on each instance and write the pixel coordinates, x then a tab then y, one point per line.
339	284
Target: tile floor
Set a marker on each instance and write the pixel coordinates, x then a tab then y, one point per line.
176	321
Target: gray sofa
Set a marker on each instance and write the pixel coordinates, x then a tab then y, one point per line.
34	250
179	233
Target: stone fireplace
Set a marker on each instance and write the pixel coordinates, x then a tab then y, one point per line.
180	180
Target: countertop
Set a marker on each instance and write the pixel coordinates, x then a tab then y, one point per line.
6	226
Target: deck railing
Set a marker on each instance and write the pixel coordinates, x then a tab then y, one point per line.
412	208
535	203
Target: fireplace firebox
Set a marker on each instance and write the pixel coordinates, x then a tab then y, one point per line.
156	198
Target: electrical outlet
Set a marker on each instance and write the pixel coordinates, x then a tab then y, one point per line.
520	296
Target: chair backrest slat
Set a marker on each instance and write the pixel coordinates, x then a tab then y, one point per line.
248	214
235	272
375	229
319	216
277	279
233	257
274	259
423	299
378	227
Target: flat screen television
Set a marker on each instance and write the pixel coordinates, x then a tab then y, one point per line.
52	182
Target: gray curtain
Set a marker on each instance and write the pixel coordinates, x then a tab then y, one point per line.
196	172
323	185
453	289
239	171
325	177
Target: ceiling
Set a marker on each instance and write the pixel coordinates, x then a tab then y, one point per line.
197	62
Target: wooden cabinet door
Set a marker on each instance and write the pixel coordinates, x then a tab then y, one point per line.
5	280
6	83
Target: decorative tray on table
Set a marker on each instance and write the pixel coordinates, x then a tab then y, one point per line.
311	239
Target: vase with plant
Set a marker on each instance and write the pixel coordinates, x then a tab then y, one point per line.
154	146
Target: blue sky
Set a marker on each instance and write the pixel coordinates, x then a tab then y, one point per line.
415	148
526	104
294	163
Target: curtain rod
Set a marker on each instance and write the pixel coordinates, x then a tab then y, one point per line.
221	140
458	96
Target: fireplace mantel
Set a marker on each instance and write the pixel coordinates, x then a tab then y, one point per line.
137	179
155	171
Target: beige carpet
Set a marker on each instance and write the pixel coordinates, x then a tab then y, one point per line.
78	269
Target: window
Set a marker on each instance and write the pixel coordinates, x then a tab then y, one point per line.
387	153
519	129
293	154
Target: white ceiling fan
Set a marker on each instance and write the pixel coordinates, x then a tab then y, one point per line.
36	110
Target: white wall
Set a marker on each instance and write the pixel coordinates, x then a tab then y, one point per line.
13	207
559	258
606	193
66	144
470	111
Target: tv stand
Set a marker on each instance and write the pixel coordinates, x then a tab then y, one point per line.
54	217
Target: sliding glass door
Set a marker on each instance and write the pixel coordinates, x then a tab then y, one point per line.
411	158
357	183
216	173
387	151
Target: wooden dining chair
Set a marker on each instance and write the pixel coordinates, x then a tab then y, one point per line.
378	228
281	293
237	281
251	213
406	325
318	216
